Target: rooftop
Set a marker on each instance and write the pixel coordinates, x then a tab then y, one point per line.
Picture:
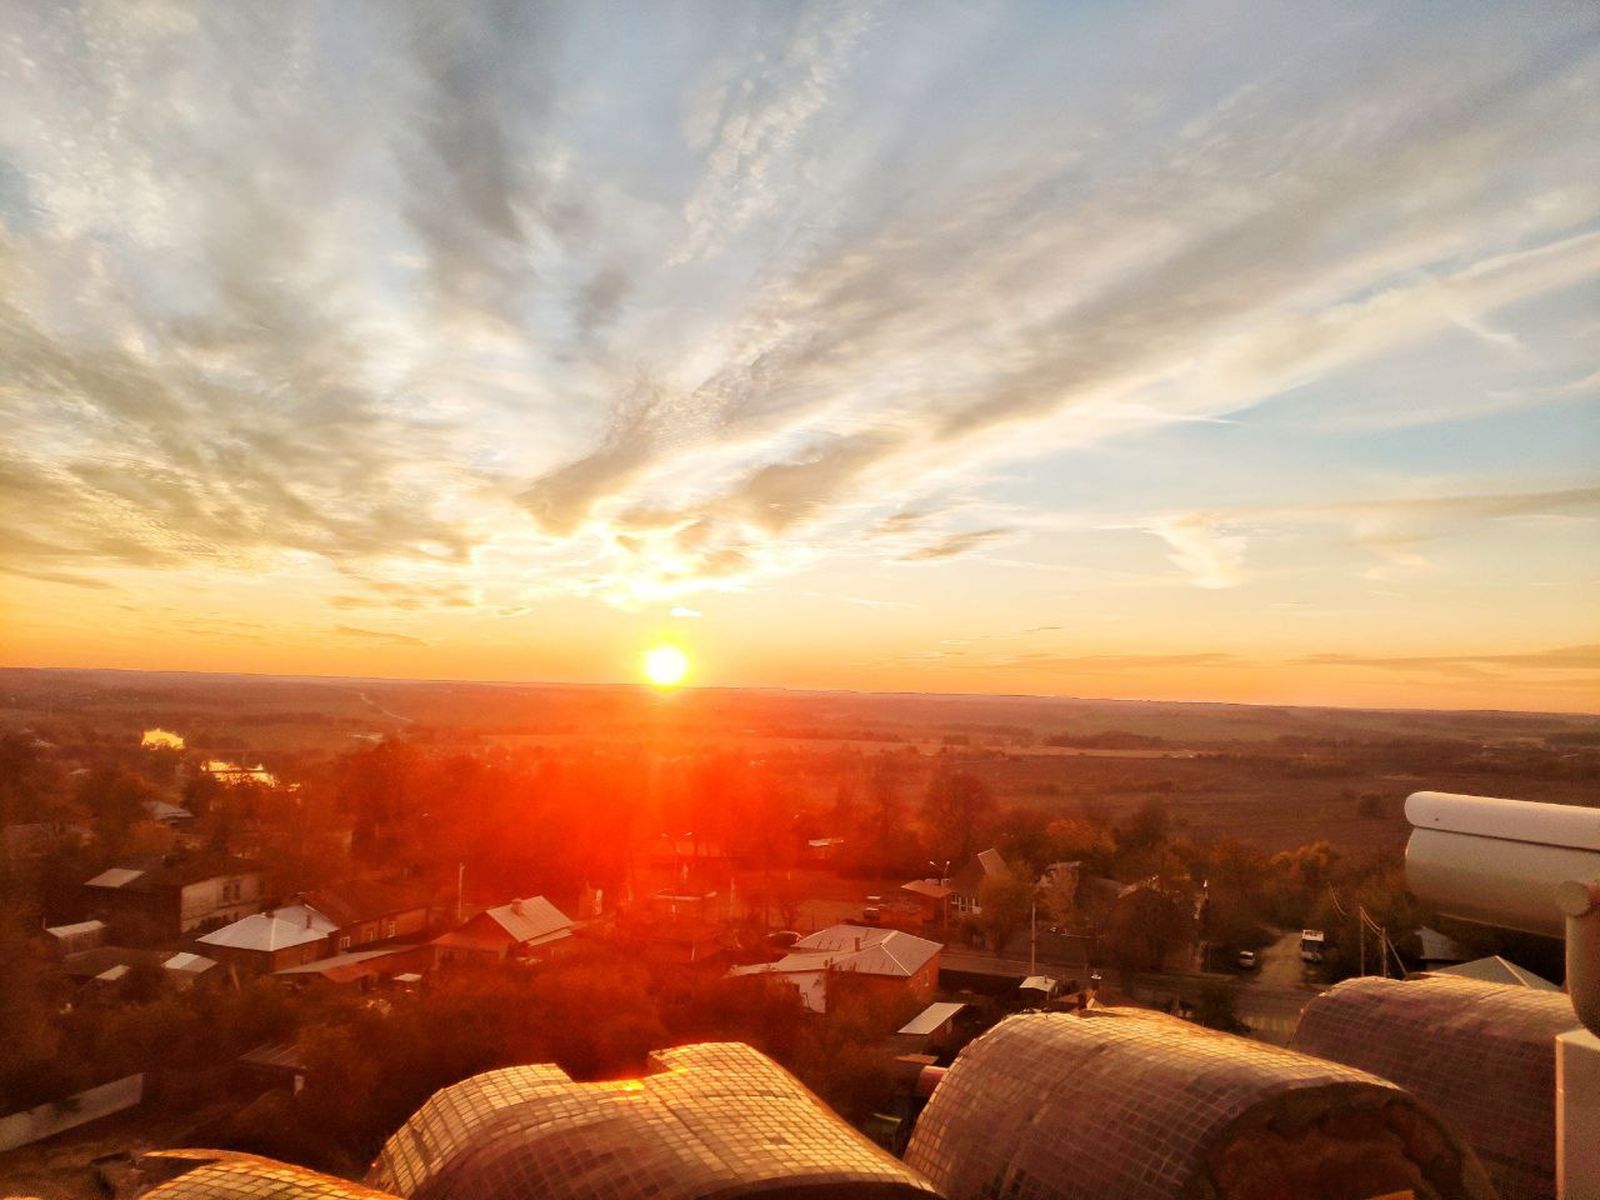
364	900
1495	969
929	1019
715	1119
279	929
1138	1105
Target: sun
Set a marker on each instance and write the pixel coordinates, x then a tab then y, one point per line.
665	666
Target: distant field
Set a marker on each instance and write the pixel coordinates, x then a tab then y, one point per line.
1274	775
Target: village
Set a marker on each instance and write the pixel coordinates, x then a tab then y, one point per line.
213	937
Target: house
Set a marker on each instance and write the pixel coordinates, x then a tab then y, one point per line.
1495	969
71	939
527	930
185	969
889	959
105	964
966	885
273	940
175	893
823	849
361	967
167	814
932	1030
931	897
1439	949
366	911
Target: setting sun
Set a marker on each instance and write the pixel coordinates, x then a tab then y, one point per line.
665	666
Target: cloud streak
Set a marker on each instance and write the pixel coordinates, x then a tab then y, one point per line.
516	300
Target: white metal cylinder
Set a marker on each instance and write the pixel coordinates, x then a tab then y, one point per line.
1499	862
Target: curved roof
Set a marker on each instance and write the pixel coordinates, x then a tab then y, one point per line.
718	1119
1483	1054
228	1175
1124	1104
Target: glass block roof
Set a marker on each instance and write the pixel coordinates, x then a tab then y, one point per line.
226	1175
1483	1054
712	1119
1123	1104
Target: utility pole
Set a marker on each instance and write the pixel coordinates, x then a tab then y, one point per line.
1361	934
461	876
1033	938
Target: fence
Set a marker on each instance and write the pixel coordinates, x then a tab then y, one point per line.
31	1124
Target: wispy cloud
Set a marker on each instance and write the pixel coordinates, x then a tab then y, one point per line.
954	545
378	635
524	300
1566	658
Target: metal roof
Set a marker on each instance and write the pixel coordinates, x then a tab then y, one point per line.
930	1018
160	810
114	877
859	948
192	964
285	1054
348	964
1495	969
294	925
531	919
364	900
67	931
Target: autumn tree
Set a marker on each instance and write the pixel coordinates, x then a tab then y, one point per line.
955	811
116	798
1006	901
884	787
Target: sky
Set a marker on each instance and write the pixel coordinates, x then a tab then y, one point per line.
1200	350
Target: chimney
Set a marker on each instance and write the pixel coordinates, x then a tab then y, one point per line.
858	942
516	907
307	911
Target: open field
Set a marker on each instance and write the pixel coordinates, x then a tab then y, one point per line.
1273	775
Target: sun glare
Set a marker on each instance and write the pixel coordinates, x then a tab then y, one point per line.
665	666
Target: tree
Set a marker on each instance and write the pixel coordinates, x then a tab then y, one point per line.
117	799
1006	901
883	793
1058	897
1080	839
1145	927
1218	1008
1146	829
955	809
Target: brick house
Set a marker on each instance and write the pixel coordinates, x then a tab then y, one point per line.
366	911
270	941
530	930
176	893
889	960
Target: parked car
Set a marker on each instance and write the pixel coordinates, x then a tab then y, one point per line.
1247	960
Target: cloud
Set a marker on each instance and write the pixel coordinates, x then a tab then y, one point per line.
1213	559
954	545
519	297
397	639
1113	664
1477	666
